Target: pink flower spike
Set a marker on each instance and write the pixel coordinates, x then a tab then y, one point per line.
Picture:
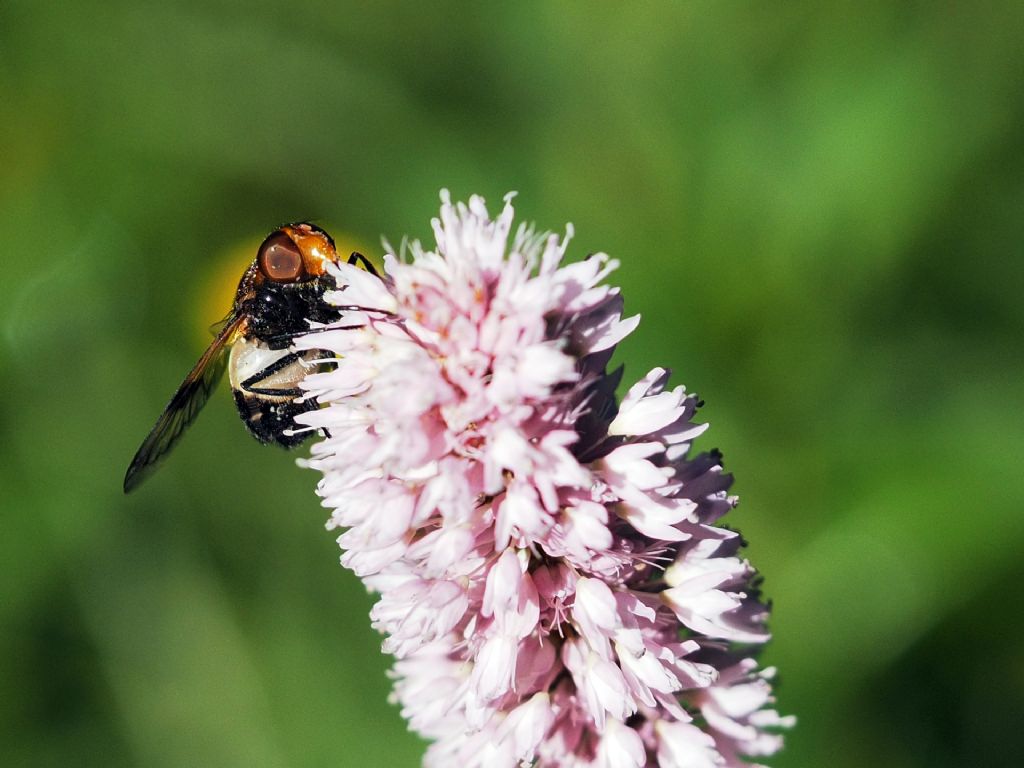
553	582
621	747
682	745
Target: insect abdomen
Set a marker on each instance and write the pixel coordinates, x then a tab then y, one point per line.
268	418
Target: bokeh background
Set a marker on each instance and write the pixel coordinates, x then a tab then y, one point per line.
819	213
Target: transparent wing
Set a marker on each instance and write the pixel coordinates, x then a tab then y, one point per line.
184	406
218	328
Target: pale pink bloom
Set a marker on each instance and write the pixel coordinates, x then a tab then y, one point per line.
683	745
553	584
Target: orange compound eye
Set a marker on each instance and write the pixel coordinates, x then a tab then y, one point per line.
280	259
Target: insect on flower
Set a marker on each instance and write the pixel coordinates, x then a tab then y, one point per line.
277	297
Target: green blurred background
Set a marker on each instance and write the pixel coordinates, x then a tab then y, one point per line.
818	213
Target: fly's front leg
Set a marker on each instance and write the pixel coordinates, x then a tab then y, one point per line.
358	258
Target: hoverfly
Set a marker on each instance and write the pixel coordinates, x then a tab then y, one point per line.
278	294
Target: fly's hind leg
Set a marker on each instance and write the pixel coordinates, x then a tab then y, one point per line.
249	384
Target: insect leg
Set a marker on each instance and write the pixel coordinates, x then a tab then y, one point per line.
290	359
291	392
287	337
358	258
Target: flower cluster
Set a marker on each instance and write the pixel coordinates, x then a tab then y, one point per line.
552	581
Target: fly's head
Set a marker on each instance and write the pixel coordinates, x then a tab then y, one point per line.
283	288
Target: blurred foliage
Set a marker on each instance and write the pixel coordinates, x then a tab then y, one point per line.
818	212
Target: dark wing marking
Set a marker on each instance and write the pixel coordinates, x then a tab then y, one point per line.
184	406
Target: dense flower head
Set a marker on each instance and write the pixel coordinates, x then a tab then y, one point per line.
553	584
